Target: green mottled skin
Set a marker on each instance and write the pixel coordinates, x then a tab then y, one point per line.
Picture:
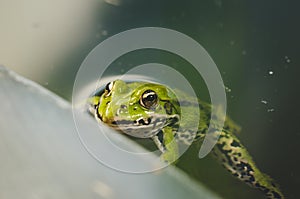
122	106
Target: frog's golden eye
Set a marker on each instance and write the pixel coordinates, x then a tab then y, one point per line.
108	88
149	99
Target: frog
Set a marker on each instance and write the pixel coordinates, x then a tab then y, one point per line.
150	110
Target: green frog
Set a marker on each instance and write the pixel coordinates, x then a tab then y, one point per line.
153	111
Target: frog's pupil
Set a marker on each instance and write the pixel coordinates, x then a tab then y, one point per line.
149	99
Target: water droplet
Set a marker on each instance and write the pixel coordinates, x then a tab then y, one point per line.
271	110
287	59
228	90
232	42
264	101
271	72
244	52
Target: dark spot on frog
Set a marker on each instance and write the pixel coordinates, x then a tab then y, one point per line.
97	112
235	144
168	108
276	195
251	179
263	188
160	136
123	106
266	190
225	152
143	121
245	166
257	185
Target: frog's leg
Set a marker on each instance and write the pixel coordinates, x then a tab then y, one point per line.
172	151
167	145
159	143
236	159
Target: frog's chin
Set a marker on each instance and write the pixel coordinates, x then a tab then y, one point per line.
144	127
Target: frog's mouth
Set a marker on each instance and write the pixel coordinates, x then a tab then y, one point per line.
145	127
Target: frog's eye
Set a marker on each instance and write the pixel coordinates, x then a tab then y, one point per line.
108	88
148	99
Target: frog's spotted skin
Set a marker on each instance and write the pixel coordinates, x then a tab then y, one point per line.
239	163
148	110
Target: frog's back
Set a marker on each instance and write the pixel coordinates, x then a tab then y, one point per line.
228	150
201	111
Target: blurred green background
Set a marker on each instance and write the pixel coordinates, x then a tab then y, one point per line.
255	45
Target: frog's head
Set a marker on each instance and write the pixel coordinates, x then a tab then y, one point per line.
139	109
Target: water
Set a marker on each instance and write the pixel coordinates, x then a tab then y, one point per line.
255	46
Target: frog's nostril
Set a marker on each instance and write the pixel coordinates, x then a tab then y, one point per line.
143	121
